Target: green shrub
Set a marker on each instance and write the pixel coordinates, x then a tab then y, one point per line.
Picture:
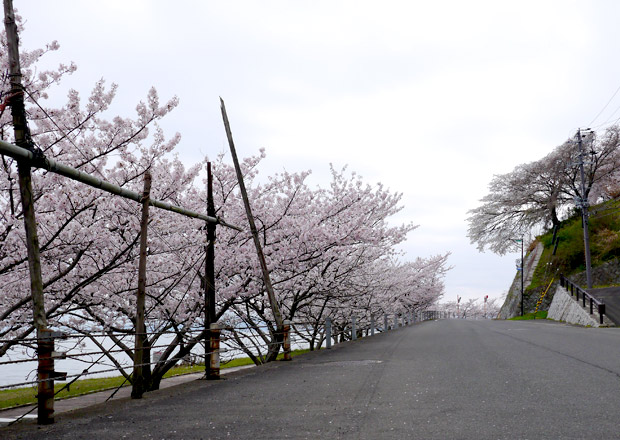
604	228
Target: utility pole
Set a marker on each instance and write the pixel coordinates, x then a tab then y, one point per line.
522	267
583	204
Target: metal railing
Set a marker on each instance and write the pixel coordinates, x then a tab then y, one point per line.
578	292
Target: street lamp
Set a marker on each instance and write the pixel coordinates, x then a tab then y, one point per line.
520	240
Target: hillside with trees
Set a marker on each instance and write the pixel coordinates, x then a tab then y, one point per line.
540	202
568	258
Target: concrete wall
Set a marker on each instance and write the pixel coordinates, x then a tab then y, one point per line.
565	308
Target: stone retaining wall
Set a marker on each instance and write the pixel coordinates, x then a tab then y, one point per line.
603	275
565	308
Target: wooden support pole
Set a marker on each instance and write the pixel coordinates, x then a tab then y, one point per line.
47	375
214	353
45	389
287	341
275	309
210	259
139	358
209	311
38	160
22	139
328	332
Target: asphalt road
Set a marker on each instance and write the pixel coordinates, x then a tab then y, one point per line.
611	298
448	379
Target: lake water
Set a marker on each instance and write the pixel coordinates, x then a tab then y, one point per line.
27	371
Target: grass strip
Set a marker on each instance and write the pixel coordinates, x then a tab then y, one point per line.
24	396
541	314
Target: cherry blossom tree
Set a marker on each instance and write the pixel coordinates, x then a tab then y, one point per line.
331	251
315	242
84	233
540	194
473	308
337	260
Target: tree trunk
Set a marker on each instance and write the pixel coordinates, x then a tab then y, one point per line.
141	372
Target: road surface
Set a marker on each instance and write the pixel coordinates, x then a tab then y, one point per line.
611	297
447	379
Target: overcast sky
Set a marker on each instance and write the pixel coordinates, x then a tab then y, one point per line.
429	98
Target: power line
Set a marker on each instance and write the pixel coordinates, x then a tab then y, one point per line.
605	107
607	122
607	214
